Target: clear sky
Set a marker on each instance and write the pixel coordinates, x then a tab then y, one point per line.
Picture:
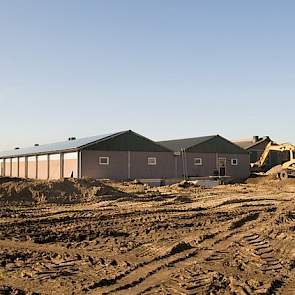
163	68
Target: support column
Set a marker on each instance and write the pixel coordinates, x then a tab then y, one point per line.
26	167
10	167
79	163
61	156
36	167
48	164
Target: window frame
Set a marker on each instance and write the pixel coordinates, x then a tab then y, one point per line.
234	161
104	163
154	163
200	163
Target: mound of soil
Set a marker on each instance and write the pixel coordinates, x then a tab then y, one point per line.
274	170
64	191
261	179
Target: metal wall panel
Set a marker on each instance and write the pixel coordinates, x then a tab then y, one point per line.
8	167
22	167
42	167
54	166
124	165
14	168
70	166
32	167
210	165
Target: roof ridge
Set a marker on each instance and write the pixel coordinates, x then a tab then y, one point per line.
188	138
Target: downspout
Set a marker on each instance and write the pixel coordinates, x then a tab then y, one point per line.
182	159
175	165
217	164
185	158
129	165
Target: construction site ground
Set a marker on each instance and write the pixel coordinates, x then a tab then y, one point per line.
91	237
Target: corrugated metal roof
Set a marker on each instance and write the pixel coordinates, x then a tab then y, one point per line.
204	144
58	146
185	143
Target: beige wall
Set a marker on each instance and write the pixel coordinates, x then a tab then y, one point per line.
22	167
7	167
70	165
54	166
42	167
14	168
32	167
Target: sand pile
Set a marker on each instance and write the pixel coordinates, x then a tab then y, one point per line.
64	191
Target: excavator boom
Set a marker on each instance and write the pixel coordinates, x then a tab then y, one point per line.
275	147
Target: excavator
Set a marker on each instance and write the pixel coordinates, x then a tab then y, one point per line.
287	168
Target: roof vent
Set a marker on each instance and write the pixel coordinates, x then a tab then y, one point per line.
16	148
71	138
36	144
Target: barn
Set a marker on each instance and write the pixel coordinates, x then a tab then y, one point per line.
208	156
120	155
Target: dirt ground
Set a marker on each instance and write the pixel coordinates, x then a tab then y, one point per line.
88	237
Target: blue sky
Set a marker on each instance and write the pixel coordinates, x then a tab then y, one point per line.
163	68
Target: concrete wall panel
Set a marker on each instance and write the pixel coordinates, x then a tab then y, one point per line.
42	167
32	165
70	166
54	166
22	167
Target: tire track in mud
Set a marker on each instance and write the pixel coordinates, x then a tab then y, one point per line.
198	281
240	247
265	252
140	279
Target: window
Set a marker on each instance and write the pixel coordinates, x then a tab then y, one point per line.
152	161
234	162
198	161
104	160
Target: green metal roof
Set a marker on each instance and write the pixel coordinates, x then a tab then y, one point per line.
179	144
204	144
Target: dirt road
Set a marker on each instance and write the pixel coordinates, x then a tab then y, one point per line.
234	239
